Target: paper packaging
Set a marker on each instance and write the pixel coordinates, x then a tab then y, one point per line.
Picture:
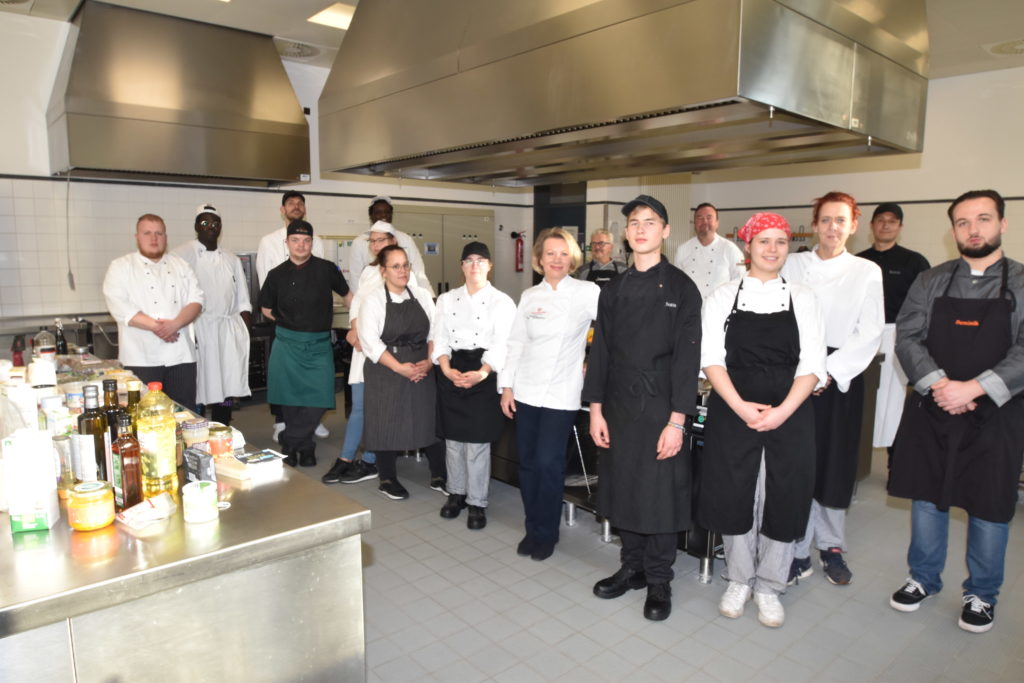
28	477
148	511
199	465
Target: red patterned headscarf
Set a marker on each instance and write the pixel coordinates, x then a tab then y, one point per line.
763	221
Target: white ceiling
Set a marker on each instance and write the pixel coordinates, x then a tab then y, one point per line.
960	31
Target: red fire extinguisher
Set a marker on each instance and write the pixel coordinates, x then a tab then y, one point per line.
518	237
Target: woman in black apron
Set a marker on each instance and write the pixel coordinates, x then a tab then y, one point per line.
763	351
400	394
471	329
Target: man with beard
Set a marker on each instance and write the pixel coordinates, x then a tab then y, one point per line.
707	257
960	338
154	297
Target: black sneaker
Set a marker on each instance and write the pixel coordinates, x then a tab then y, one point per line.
453	506
437	484
393	489
359	471
800	568
834	567
338	470
908	598
977	616
477	517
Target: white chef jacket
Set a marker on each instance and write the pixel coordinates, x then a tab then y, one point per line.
360	257
465	321
849	289
273	251
710	266
544	366
372	312
369	281
765	297
135	284
221	335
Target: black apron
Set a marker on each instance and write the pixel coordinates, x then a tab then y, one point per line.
970	461
837	420
638	492
762	353
602	277
469	415
399	414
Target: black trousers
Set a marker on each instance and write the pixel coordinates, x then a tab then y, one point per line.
653	553
179	380
386	461
299	424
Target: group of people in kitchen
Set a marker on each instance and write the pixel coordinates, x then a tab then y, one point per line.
783	339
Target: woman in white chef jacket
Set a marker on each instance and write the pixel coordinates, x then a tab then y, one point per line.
849	290
763	350
543	378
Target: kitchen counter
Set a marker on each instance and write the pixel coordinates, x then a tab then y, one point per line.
270	591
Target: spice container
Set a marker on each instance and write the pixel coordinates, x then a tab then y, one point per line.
220	440
91	506
195	431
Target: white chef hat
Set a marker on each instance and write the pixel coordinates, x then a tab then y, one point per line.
207	208
381	226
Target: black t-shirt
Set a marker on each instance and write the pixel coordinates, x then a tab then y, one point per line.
900	267
300	296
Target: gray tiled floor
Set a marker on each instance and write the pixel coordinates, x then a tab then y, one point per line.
448	604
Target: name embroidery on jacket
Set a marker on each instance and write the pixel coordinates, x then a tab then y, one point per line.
967	323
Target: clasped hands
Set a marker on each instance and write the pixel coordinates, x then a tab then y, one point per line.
167	330
415	372
466	380
956	398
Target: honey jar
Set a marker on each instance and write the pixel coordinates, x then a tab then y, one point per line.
91	506
220	440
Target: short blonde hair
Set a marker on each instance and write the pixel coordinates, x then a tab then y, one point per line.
602	231
565	236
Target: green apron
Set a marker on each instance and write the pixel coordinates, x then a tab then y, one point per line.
301	371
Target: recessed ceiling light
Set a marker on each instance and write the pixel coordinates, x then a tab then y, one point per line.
337	15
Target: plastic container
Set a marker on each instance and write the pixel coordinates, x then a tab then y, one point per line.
91	506
158	443
195	431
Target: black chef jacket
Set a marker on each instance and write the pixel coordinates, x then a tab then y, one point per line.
900	267
300	296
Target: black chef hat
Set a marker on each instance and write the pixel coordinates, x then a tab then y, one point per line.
476	249
300	227
648	201
892	208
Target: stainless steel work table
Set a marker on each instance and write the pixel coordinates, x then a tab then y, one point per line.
270	591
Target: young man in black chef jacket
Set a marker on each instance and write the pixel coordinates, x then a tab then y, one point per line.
960	338
641	384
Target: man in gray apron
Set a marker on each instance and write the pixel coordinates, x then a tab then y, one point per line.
959	444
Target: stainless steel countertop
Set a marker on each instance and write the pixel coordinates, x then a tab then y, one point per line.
49	576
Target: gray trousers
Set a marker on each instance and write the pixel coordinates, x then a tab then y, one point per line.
469	470
754	559
826	527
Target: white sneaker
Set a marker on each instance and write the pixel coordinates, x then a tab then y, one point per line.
769	609
278	428
733	600
322	431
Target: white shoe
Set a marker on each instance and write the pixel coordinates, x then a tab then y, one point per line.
278	428
769	609
733	600
322	431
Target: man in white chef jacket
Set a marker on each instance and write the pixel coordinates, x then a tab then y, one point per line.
707	257
381	209
154	297
222	329
273	252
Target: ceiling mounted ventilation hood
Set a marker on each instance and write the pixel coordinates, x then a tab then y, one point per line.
150	97
527	92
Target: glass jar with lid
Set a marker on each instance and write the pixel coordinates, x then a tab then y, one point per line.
91	505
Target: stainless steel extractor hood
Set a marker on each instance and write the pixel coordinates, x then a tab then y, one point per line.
526	92
147	96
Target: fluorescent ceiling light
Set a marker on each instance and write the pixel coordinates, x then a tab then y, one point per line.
337	15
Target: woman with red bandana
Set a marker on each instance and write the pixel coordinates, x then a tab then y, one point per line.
763	351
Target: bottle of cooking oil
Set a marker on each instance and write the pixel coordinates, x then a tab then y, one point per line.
134	396
157	442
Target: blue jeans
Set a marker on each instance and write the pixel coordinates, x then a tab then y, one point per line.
354	429
986	551
542	436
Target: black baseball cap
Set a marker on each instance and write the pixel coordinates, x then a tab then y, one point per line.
300	227
292	193
476	249
648	201
889	207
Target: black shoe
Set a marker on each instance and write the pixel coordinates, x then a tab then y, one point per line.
542	551
393	489
908	598
977	615
525	546
453	506
307	457
359	471
800	568
338	470
834	567
626	579
290	457
658	605
438	483
477	518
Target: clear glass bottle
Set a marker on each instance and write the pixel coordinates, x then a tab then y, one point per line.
126	466
158	443
134	396
44	345
112	407
93	438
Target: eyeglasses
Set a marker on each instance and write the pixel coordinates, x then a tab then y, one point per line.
400	267
595	245
379	240
474	263
208	224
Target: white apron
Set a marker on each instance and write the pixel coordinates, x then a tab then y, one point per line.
892	391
